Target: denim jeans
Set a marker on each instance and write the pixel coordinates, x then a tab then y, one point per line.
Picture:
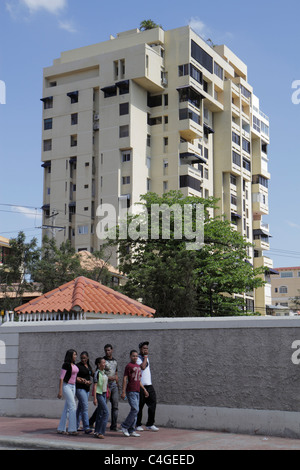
82	408
114	400
130	421
69	409
102	414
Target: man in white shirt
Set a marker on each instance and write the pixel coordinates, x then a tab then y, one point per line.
146	380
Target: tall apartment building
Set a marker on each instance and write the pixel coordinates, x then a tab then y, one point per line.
153	111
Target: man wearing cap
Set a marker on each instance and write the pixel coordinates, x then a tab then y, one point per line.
146	380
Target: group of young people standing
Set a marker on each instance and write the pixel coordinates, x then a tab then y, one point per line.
76	380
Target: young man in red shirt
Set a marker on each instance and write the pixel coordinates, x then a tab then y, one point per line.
131	388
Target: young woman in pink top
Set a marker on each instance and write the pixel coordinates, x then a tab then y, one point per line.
67	387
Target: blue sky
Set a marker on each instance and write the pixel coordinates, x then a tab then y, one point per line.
264	34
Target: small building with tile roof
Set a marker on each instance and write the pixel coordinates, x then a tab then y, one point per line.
87	298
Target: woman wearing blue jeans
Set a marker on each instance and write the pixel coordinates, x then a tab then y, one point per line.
67	387
99	394
84	380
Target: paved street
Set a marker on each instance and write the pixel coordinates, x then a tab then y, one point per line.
40	433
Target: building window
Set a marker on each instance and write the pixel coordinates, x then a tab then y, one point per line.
246	145
236	138
183	70
154	101
233	180
233	199
74	119
246	164
126	156
73	95
148	140
218	70
74	140
47	124
264	128
185	113
48	102
283	290
154	121
124	131
256	123
109	91
125	179
236	158
47	145
202	57
124	109
196	74
258	179
286	274
83	229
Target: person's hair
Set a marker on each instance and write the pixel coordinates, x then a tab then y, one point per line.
69	355
108	346
85	353
98	360
133	351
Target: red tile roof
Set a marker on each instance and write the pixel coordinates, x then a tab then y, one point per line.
88	296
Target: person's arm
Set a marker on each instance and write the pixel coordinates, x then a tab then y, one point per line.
123	395
144	363
60	393
145	391
61	381
95	394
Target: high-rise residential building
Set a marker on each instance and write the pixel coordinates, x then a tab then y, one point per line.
153	111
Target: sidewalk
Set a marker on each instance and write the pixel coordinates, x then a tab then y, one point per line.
40	433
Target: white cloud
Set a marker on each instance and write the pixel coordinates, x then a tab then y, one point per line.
52	6
29	213
293	224
67	26
199	27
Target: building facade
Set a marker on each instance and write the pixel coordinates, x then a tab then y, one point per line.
153	111
4	249
285	287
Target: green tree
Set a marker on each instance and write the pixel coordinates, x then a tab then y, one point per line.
15	276
148	24
59	265
180	282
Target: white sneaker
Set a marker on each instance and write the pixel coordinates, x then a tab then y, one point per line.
134	434
152	428
125	432
140	429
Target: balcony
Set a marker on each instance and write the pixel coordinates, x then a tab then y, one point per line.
259	202
145	67
190	124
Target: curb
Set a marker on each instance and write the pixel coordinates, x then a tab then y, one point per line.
18	443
